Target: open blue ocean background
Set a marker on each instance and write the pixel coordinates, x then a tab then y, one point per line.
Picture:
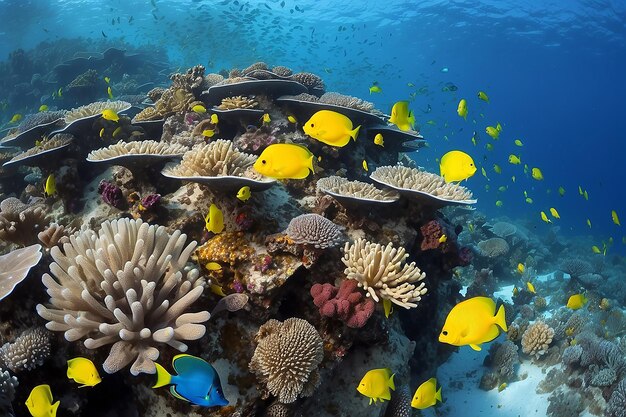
554	72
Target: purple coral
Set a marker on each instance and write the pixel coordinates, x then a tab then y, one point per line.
254	139
346	303
111	194
150	201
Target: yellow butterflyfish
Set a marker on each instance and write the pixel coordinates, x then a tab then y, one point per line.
375	88
462	109
285	161
402	117
596	249
107	80
213	266
39	402
561	191
494	132
499	203
554	213
16	118
365	165
387	307
426	395
292	119
530	287
266	118
43	107
537	174
331	128
589	223
529	200
376	384
214	119
109	92
214	220
109	114
518	142
50	187
586	195
198	108
208	133
101	132
244	193
483	96
83	371
378	140
615	218
544	217
514	159
576	301
580	190
497	169
443	239
521	268
456	166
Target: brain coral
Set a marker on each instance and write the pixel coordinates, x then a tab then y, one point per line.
494	247
125	286
287	357
382	273
313	229
537	338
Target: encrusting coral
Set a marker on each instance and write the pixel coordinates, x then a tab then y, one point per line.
537	338
125	286
27	352
14	267
314	230
286	358
383	274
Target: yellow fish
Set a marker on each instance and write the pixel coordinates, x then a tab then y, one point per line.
537	174
208	133
561	191
285	161
387	307
494	132
473	322
530	287
331	128
502	188
483	96
109	114
426	395
518	142
266	118
117	131
292	119
217	290
615	218
214	220
580	190
502	387
499	203
378	140
529	200
589	223
244	193
482	171
60	92
596	250
83	371
402	117
497	169
462	109
376	384
213	266
515	291
43	107
456	166
586	195
576	301
109	92
365	165
50	187
514	159
544	217
39	402
199	108
16	118
443	239
375	88
214	119
554	213
38	142
521	268
101	132
107	80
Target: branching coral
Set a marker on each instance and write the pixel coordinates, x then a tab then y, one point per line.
172	100
287	357
314	230
14	267
125	286
421	182
238	102
282	71
537	338
382	273
493	248
346	303
28	351
20	223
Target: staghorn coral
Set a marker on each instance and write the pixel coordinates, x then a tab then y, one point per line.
8	384
54	235
138	148
537	338
28	351
94	109
346	101
278	409
312	82
20	223
602	377
14	267
238	102
314	230
149	113
616	406
286	358
214	159
382	273
413	179
125	286
346	303
493	247
354	190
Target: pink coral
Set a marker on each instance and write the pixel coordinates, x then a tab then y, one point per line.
346	303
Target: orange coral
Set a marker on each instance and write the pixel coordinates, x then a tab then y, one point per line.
227	247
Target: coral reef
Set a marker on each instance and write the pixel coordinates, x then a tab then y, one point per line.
132	294
314	230
357	191
382	273
238	102
493	248
54	235
616	407
346	303
537	338
20	223
27	352
286	359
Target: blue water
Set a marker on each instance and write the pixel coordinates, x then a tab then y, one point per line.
554	72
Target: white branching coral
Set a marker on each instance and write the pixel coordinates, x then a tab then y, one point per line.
537	338
125	285
382	272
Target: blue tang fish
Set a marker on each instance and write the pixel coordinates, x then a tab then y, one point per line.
197	381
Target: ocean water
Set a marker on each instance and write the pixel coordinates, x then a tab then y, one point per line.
554	75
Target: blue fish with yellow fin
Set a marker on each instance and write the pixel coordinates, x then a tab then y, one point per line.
197	381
